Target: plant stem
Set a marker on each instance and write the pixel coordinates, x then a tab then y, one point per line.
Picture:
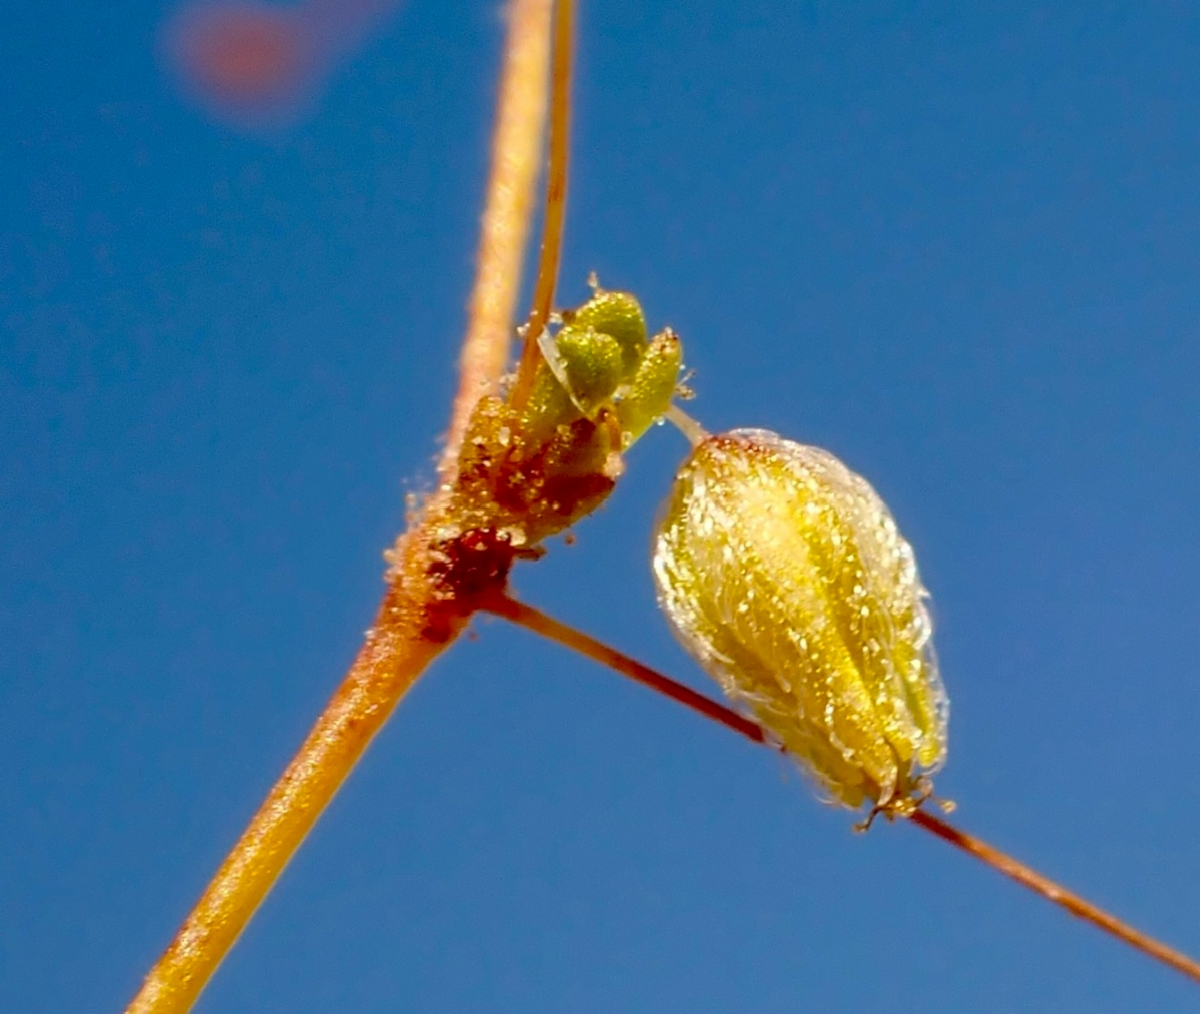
1051	891
556	199
398	648
393	656
533	619
504	229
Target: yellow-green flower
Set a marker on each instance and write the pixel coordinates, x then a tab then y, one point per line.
783	574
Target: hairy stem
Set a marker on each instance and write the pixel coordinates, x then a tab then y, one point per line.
534	620
399	647
504	230
556	199
393	656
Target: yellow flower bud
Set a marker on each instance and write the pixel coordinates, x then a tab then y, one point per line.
784	576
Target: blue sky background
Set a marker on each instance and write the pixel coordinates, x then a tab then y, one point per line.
956	244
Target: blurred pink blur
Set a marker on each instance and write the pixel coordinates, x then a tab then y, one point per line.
255	65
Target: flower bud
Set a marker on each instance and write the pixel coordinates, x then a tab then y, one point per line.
783	575
619	315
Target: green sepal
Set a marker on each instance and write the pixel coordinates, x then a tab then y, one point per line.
549	406
653	386
618	314
592	365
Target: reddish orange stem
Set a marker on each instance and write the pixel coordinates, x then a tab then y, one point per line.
534	619
538	622
1051	891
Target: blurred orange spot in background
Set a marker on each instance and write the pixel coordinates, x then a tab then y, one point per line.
247	56
255	65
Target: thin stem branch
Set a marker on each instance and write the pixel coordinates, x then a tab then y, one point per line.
556	199
533	619
504	229
1051	891
399	647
